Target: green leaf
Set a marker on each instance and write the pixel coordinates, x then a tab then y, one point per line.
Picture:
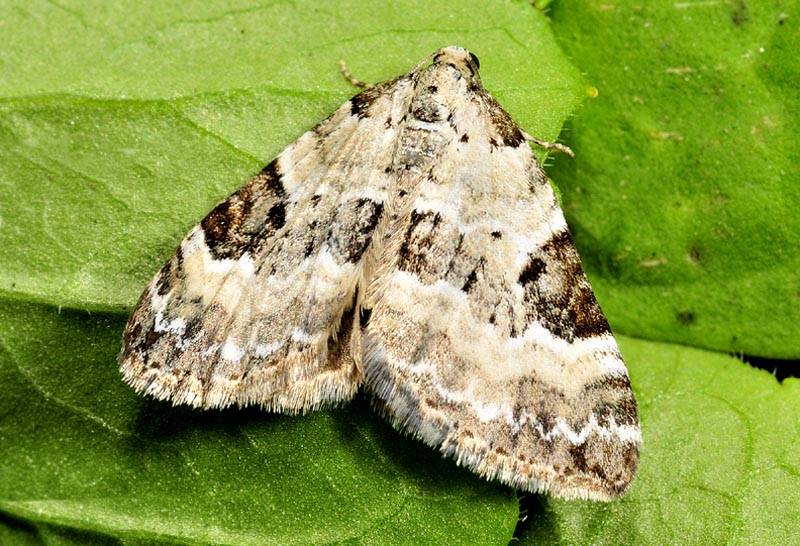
82	451
684	193
158	114
120	126
720	462
682	199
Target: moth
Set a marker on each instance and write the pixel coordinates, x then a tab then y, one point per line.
409	243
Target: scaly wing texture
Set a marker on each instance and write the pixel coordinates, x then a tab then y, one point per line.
413	227
484	336
258	303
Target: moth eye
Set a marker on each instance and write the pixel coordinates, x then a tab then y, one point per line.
475	60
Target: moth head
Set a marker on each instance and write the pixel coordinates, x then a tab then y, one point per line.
459	57
451	76
466	64
455	60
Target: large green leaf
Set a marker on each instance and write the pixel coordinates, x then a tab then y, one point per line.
683	199
80	450
120	127
113	155
686	184
720	462
85	458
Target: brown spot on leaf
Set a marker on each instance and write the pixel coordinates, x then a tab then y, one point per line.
686	317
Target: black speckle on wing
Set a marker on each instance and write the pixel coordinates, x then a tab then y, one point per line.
352	233
507	129
557	293
255	211
360	104
418	242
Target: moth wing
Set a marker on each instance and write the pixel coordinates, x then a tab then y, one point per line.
485	338
257	304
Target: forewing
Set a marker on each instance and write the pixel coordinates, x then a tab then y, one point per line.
485	338
257	304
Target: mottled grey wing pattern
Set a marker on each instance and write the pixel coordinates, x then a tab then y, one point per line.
257	304
484	337
410	242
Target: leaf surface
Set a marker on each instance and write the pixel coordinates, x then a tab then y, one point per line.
684	193
120	127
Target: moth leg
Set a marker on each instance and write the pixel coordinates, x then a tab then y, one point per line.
352	79
549	145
